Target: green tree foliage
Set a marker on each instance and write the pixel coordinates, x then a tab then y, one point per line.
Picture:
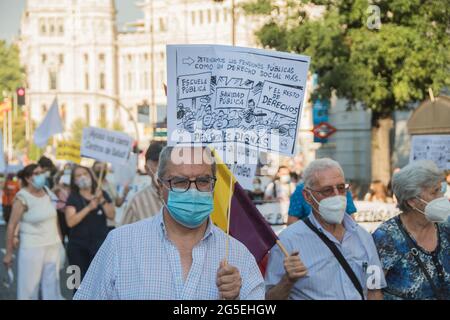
76	130
10	71
385	69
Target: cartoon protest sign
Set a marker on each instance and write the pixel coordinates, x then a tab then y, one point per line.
431	147
224	94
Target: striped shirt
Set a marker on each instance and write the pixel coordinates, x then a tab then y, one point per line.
138	261
143	205
326	279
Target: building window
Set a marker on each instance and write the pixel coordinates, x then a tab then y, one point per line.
61	58
209	16
63	113
61	27
102	115
102	81
201	16
101	57
44	110
52	80
86	59
130	81
43	27
117	113
130	58
87	114
86	81
44	58
52	29
217	16
146	80
162	25
193	17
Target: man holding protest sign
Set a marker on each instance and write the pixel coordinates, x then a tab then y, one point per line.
179	253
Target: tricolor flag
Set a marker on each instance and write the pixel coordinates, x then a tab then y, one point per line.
246	223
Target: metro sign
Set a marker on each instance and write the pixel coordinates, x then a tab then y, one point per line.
323	130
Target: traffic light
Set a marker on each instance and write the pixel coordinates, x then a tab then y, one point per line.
20	96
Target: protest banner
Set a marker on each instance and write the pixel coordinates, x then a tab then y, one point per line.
368	211
431	147
271	212
68	150
244	174
124	174
143	113
223	94
106	145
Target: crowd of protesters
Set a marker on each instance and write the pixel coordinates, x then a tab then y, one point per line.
330	256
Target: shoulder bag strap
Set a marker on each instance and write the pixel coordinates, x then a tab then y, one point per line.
337	253
414	251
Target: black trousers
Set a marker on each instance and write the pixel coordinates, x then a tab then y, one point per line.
81	252
6	213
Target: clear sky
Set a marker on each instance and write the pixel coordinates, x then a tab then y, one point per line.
11	13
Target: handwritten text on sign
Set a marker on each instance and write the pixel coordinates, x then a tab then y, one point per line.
431	147
105	145
194	85
244	174
225	94
68	150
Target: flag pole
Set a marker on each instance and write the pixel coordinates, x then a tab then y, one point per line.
100	181
283	249
227	244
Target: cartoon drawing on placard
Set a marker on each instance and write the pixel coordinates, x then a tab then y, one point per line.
239	104
234	94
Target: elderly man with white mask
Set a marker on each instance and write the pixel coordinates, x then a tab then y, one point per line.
331	256
179	253
414	246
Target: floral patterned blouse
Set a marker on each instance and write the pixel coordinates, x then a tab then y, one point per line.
405	279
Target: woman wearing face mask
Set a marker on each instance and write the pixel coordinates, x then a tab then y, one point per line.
38	258
281	190
86	212
414	247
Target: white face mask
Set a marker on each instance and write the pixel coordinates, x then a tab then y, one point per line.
285	179
332	209
436	210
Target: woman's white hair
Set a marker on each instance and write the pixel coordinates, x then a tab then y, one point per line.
309	175
410	181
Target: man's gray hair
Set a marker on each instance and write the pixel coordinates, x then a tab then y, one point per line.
309	175
167	156
410	181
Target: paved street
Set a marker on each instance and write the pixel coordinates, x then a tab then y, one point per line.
10	294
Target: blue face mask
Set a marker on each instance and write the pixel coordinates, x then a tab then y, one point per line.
38	181
190	208
444	187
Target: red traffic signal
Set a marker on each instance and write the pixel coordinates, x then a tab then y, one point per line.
20	96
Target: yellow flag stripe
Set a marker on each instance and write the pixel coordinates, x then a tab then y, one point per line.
222	194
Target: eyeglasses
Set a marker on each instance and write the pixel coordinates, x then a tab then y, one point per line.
180	184
329	191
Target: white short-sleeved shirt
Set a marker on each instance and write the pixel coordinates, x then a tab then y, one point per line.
39	225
